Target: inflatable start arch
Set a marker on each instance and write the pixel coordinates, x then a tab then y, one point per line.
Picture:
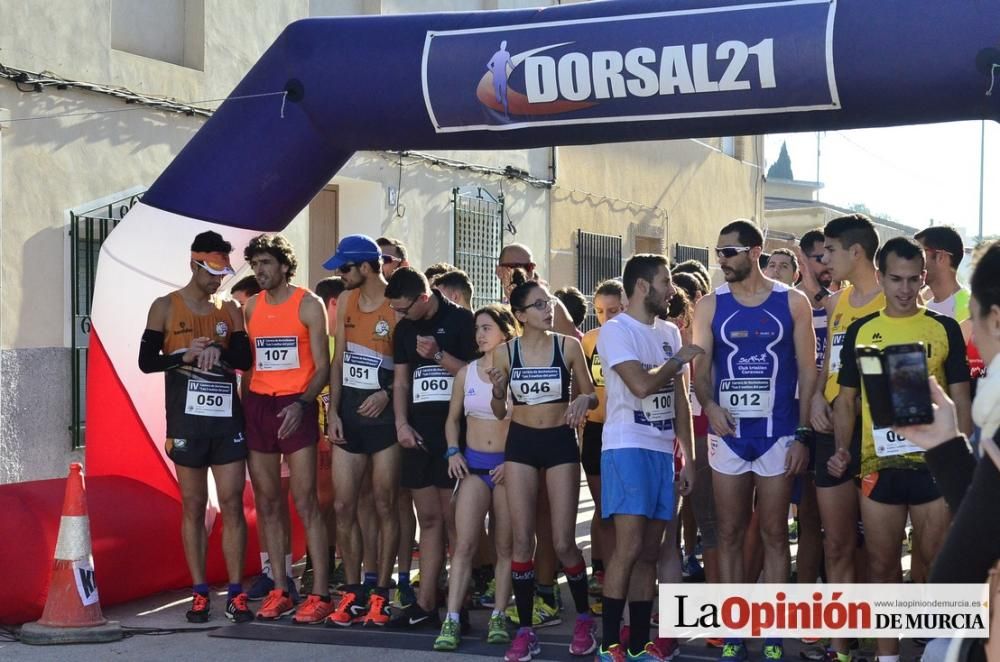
587	73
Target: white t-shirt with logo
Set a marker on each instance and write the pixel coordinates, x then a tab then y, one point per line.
634	422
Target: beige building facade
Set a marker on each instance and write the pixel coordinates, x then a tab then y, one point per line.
74	153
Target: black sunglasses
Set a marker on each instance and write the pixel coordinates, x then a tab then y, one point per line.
346	268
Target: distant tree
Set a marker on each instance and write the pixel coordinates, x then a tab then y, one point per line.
782	168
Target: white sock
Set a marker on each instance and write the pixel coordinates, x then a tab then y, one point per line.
454	616
288	568
497	612
265	565
887	658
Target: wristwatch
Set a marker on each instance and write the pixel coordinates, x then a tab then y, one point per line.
452	450
438	356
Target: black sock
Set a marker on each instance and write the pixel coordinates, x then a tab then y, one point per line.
597	565
614	608
523	576
576	577
639	615
547	594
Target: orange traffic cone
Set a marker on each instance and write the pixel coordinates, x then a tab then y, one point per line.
72	611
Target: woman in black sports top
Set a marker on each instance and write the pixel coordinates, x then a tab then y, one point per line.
538	368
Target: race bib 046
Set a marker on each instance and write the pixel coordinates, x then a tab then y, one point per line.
432	383
534	386
277	353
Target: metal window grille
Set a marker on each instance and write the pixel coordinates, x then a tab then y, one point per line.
682	253
599	257
87	231
478	224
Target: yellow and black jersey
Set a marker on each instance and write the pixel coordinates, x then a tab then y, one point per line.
589	343
946	360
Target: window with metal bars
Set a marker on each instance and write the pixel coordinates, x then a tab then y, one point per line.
478	231
598	258
682	253
87	232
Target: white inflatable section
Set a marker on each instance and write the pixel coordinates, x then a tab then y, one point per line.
145	257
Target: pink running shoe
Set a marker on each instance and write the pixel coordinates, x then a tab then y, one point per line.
524	647
584	640
666	647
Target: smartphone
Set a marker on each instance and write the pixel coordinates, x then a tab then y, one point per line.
909	384
873	374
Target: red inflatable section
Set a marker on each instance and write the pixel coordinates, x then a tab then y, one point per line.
135	513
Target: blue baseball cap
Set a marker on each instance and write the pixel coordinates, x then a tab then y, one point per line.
353	249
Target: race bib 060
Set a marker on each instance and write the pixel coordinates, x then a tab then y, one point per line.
277	353
432	383
747	398
534	386
209	399
361	371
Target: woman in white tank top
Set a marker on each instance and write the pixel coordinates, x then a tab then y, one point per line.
479	470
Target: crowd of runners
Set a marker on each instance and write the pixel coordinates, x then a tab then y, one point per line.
705	417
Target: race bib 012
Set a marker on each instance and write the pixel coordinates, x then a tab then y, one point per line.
747	398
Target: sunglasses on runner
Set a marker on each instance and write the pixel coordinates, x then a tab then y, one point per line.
346	268
730	251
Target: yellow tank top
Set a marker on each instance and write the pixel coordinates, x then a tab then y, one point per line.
844	314
589	342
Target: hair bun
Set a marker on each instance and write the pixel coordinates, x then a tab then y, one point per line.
518	277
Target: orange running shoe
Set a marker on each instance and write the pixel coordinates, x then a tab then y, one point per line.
314	610
200	608
349	610
713	642
378	610
276	604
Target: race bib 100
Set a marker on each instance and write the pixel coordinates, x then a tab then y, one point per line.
747	398
658	406
277	353
361	371
889	443
432	383
209	399
535	386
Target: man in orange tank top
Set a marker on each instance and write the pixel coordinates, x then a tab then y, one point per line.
361	425
198	342
291	358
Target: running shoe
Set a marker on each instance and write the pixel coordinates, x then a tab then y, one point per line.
597	606
237	610
496	631
542	615
260	586
488	599
449	637
414	617
666	647
314	610
200	608
595	585
616	653
649	654
692	571
276	604
405	596
733	651
349	610
810	641
378	610
584	641
715	642
774	650
793	531
293	592
524	647
337	576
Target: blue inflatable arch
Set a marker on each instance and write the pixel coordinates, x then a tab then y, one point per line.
585	73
